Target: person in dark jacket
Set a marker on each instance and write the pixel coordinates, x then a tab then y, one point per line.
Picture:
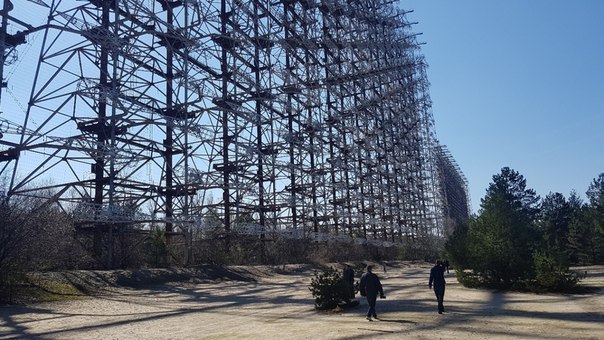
437	280
370	286
348	277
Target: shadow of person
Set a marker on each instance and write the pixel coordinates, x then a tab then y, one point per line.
380	319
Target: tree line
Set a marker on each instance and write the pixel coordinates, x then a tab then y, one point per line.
520	241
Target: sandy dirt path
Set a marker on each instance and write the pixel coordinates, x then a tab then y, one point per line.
281	307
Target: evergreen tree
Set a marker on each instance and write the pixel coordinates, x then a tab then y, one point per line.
595	194
501	242
579	234
457	245
554	223
551	257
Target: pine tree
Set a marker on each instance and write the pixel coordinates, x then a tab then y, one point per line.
578	231
595	194
501	242
554	222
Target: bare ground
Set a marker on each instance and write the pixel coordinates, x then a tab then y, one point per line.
265	303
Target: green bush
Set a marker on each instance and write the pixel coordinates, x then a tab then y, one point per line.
468	279
158	248
552	274
328	289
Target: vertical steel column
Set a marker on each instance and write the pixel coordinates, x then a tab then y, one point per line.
226	138
99	166
309	123
336	202
258	110
168	142
7	6
289	10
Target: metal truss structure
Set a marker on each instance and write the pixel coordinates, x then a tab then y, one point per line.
453	187
299	117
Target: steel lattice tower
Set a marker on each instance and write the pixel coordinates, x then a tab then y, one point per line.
296	117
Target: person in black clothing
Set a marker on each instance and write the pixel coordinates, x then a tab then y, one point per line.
348	277
370	286
437	279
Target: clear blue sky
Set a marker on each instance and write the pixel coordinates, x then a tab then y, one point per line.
517	83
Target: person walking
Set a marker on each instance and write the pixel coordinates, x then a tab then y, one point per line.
370	286
437	280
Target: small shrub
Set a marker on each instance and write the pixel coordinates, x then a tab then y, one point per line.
468	279
552	274
328	289
158	248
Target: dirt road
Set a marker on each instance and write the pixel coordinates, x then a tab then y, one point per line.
279	306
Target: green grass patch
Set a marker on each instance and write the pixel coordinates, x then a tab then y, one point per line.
49	290
33	289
